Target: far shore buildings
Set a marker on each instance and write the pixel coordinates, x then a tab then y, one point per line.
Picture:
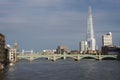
62	49
45	52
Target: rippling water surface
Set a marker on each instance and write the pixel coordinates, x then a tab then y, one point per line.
63	70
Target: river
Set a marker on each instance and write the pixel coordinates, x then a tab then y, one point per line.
86	69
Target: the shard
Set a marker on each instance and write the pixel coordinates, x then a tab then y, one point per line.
91	42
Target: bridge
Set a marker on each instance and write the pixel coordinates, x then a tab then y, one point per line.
54	57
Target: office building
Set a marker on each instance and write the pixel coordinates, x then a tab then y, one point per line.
107	39
83	46
90	32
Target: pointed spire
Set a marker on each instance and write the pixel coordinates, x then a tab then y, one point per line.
90	11
90	31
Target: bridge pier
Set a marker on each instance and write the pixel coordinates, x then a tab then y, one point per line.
48	58
77	58
31	58
99	57
53	58
64	57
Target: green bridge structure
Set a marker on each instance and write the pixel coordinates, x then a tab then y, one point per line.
54	57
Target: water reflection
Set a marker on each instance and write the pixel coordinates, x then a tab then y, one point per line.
11	69
1	75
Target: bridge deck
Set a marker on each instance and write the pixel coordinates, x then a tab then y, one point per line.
57	56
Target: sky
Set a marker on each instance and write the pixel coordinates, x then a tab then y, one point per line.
46	24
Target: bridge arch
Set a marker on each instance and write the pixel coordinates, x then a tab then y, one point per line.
108	58
40	58
89	56
27	59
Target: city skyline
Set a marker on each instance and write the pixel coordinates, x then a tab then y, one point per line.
45	24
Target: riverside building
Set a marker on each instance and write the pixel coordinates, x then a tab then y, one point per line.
2	48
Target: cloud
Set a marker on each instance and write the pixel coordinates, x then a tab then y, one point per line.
107	18
42	3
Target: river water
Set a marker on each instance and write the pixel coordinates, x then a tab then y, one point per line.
63	70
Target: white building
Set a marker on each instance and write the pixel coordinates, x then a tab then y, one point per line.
107	39
83	46
48	52
12	55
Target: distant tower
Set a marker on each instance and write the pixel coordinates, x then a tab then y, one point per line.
90	32
15	46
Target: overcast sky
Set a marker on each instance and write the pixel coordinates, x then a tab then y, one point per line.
45	24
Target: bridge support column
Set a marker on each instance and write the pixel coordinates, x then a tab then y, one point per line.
54	58
31	58
99	57
48	58
64	57
77	58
